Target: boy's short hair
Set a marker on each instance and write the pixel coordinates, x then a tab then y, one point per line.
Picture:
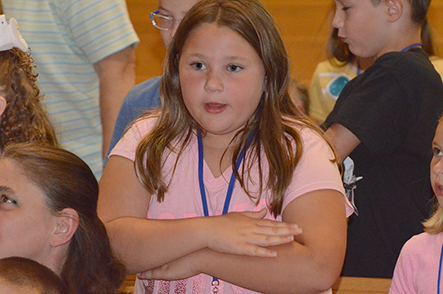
418	12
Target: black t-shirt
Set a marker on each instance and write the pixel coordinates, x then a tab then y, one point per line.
393	109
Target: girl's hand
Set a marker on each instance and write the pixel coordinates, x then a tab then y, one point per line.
247	233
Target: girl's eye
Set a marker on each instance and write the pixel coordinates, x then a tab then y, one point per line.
234	68
436	151
198	66
5	199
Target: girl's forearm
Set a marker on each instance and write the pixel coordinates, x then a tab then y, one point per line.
296	269
145	244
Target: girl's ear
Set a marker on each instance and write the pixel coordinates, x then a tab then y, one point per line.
2	104
66	224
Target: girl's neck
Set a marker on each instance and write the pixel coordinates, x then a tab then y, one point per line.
217	152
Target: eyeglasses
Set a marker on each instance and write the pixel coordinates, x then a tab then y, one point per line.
161	22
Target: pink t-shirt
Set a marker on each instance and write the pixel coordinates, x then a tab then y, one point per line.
416	271
314	172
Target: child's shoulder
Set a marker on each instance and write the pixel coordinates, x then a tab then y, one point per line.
309	133
142	126
413	60
416	243
400	68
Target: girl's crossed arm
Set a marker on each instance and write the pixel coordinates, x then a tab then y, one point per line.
311	264
144	244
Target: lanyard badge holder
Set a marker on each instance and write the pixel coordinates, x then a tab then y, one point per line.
350	181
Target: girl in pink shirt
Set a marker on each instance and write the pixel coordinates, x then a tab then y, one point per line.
208	194
419	266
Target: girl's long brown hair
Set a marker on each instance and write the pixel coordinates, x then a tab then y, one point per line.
273	122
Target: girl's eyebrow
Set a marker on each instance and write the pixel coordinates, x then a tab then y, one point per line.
6	189
229	58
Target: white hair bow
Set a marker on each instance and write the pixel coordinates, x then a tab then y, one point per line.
10	36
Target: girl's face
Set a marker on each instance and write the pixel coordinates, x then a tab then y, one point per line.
437	164
222	79
26	222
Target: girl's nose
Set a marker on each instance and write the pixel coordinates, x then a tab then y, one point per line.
214	82
437	166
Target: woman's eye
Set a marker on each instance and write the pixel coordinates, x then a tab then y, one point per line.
436	151
6	199
198	66
234	68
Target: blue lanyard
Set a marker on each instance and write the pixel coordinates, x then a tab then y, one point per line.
411	46
215	282
439	270
202	184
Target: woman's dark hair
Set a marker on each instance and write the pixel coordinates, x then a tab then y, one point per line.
67	182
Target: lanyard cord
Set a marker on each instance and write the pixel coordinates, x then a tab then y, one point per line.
215	282
439	270
201	181
411	46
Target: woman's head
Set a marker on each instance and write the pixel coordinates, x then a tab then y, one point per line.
170	14
248	19
24	118
70	192
28	224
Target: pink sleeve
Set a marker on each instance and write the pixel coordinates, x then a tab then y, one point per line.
402	281
315	171
127	145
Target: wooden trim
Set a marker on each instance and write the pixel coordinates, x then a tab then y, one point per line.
356	285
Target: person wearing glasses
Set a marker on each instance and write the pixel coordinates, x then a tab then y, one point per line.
145	96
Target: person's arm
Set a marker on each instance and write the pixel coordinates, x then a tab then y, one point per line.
344	140
311	264
144	244
117	76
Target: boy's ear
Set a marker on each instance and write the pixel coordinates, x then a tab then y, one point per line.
66	224
2	104
394	9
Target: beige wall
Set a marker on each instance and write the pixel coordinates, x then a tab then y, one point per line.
303	25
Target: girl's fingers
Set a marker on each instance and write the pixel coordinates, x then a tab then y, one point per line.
282	229
257	251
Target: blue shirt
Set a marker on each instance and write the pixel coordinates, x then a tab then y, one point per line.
142	97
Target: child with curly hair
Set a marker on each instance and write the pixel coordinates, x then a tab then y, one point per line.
22	116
